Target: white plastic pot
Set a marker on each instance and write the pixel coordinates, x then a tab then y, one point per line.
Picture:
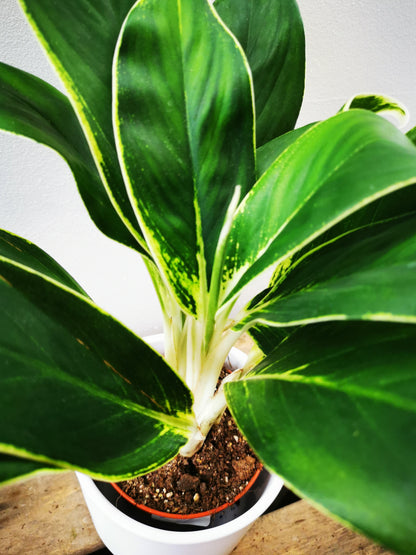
124	535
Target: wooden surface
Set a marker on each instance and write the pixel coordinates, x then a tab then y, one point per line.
299	529
46	515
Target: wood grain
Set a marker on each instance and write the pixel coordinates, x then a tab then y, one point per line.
46	515
299	529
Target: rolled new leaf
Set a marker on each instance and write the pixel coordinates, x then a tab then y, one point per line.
379	104
333	411
79	38
272	37
334	169
184	119
77	389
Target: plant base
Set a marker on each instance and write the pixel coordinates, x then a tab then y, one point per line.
219	473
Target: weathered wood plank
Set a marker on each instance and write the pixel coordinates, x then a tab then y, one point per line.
299	529
46	515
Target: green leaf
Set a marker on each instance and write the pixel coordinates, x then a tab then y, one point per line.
77	389
267	337
396	204
268	153
271	34
184	119
412	135
27	254
14	468
367	274
333	411
333	170
379	104
79	39
33	108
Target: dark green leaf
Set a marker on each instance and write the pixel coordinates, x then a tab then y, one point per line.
27	254
367	274
185	123
267	337
333	411
80	38
412	135
396	204
333	170
31	107
79	390
271	34
268	153
15	468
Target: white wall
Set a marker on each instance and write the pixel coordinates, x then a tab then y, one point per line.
357	46
354	46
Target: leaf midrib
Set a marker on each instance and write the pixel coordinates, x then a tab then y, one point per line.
200	258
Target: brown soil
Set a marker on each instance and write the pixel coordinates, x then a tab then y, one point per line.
215	475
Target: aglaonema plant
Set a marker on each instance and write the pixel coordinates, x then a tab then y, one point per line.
178	129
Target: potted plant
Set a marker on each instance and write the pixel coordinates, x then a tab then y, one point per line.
178	129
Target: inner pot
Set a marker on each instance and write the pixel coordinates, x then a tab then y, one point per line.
209	519
164	514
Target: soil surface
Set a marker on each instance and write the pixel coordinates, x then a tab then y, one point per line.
215	475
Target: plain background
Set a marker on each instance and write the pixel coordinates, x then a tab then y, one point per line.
352	47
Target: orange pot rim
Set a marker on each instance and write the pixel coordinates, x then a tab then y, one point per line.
192	515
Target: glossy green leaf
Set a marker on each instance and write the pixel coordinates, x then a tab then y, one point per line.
368	274
396	204
15	468
271	34
268	337
268	153
27	254
79	39
333	411
80	390
333	170
33	108
393	206
185	128
412	135
379	104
